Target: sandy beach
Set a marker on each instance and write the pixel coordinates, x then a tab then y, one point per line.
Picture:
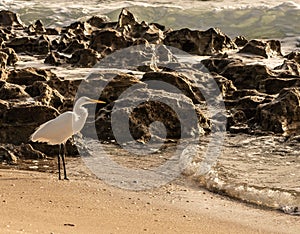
35	202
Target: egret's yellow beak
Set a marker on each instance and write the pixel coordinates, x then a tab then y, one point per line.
97	101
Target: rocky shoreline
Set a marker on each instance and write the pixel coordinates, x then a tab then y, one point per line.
259	99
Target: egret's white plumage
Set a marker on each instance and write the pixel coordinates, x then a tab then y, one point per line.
57	131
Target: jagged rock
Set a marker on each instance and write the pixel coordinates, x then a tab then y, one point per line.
6	155
117	86
198	42
185	85
40	45
275	85
130	27
3	59
240	41
289	68
27	76
55	59
108	40
281	115
79	29
12	56
8	18
36	28
226	86
12	91
126	18
150	33
26	151
53	31
249	104
266	49
73	46
294	56
218	64
237	117
4	105
43	93
147	112
68	88
247	76
4	35
98	21
20	120
11	153
84	58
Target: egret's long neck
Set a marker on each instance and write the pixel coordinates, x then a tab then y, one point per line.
80	117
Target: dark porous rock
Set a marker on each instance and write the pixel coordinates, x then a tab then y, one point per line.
249	104
43	93
12	56
145	113
3	59
54	58
12	91
27	76
12	153
275	85
4	105
294	56
218	64
182	83
26	151
8	18
288	68
247	76
240	41
4	35
67	88
240	93
36	28
3	74
281	115
198	42
6	155
150	33
237	117
108	40
226	86
130	27
39	27
266	49
117	86
20	120
53	31
126	18
84	58
35	45
73	46
98	21
79	29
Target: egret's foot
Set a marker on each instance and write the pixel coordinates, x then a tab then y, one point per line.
66	178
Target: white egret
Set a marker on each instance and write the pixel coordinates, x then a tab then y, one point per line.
57	131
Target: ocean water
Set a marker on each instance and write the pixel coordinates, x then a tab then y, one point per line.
264	170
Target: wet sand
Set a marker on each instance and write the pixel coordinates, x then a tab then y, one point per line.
36	202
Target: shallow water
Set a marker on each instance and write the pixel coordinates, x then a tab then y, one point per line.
255	19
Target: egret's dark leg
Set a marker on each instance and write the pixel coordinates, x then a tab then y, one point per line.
63	160
58	162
